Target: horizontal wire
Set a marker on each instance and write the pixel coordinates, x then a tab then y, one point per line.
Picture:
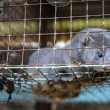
23	4
52	18
51	66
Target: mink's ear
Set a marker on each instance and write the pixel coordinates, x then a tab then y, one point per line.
87	41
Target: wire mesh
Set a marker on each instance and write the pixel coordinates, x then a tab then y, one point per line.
27	25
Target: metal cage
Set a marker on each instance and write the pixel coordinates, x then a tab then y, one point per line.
28	26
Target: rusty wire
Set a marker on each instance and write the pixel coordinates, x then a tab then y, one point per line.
55	18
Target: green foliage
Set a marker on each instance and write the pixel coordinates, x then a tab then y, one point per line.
79	24
32	27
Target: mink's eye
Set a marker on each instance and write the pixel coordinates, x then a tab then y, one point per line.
100	55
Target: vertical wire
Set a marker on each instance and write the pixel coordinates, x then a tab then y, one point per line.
87	34
54	32
24	32
39	31
9	33
103	26
86	27
70	31
103	39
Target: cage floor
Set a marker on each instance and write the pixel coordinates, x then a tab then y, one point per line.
97	93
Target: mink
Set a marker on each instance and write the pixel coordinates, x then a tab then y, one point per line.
87	49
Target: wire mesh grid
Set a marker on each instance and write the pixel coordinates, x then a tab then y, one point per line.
26	22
